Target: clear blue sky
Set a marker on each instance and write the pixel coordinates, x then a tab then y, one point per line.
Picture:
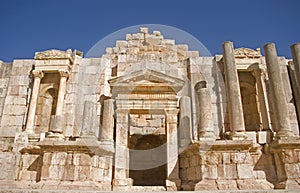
35	25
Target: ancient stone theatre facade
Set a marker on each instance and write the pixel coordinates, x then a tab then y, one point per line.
150	114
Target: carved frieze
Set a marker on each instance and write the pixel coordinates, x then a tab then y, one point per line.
247	53
53	54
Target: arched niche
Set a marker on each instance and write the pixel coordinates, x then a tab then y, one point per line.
46	106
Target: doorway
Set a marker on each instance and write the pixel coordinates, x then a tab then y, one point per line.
148	160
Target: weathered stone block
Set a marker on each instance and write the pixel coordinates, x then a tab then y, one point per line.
293	170
244	171
206	185
227	185
59	158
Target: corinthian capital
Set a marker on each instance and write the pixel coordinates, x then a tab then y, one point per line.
38	74
63	73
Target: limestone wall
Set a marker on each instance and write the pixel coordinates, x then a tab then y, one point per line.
17	98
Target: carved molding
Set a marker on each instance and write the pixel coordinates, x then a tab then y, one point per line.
53	54
247	53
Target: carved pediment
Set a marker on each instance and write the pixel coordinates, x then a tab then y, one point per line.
53	54
247	53
147	78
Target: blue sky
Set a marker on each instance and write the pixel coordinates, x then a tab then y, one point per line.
35	25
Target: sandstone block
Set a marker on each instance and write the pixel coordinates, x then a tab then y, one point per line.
227	185
244	171
206	185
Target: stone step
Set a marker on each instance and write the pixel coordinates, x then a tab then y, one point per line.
11	190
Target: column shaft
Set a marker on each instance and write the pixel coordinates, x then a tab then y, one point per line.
61	92
173	179
295	49
205	124
107	129
233	95
262	99
122	152
33	100
277	91
185	122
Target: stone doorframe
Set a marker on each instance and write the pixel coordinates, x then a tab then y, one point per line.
121	173
155	92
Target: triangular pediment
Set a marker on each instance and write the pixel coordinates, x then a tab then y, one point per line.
147	78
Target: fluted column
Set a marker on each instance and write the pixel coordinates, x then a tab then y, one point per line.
107	129
38	75
277	91
61	92
233	93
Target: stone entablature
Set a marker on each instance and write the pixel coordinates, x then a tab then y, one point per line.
151	115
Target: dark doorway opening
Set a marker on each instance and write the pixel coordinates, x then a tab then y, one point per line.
148	158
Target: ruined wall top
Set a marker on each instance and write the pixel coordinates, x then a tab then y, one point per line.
150	43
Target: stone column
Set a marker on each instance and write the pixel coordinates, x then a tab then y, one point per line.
262	99
61	92
56	127
277	90
88	120
233	93
295	87
107	129
185	127
295	49
173	180
38	75
205	124
121	174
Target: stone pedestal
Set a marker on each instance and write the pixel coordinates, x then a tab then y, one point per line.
287	161
222	165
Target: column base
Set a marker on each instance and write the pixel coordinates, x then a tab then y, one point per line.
289	184
122	184
55	135
207	136
284	134
238	135
171	185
